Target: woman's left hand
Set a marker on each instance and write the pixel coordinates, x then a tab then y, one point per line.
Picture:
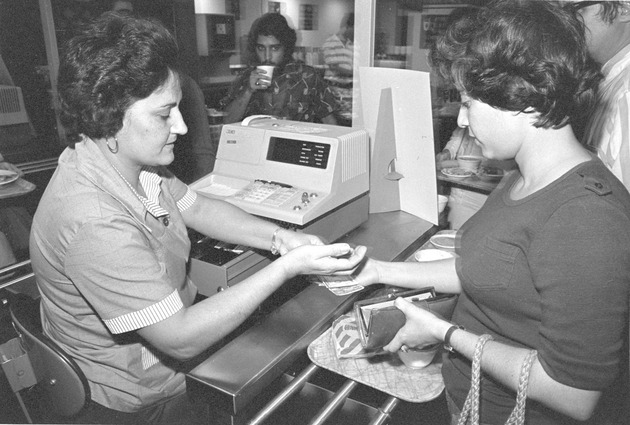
421	329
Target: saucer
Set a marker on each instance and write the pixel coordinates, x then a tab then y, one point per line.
456	172
444	240
7	177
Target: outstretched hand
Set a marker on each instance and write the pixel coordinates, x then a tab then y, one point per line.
323	259
288	240
367	273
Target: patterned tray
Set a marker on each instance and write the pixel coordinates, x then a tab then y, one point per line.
386	373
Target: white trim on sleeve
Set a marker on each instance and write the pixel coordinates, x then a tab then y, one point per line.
148	316
187	200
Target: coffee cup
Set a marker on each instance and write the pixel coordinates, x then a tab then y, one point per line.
469	162
267	69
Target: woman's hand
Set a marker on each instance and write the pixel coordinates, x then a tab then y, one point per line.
322	259
421	329
367	273
287	240
258	80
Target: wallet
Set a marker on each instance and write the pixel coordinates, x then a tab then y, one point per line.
379	320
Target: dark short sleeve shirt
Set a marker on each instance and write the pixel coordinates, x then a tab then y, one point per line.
549	272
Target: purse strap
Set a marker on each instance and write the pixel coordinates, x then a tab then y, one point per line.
471	404
517	417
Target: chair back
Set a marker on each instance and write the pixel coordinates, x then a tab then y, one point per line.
60	378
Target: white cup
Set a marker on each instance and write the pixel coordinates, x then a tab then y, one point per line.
469	162
267	69
418	358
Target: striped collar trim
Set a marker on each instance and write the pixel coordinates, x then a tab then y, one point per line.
151	183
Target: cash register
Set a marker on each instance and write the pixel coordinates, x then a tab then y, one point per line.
308	177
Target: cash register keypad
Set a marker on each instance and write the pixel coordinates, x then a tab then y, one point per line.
268	193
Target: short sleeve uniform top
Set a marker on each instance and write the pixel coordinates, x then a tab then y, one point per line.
106	266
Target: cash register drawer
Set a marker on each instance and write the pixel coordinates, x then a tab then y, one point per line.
215	266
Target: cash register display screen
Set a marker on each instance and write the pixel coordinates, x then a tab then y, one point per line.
298	152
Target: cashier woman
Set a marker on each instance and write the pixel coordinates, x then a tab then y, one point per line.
544	265
109	240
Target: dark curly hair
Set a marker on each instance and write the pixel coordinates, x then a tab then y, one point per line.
116	60
276	25
524	56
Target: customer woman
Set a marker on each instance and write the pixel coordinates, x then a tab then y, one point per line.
109	242
545	264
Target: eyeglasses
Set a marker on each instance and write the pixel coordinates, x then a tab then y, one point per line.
576	6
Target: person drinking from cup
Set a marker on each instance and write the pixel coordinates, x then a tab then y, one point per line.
274	84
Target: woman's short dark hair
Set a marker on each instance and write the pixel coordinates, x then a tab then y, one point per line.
116	60
524	56
276	25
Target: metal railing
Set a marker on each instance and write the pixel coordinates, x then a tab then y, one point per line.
33	167
9	271
336	402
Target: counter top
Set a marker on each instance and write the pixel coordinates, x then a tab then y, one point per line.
239	371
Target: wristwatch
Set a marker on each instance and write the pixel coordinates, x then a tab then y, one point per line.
447	337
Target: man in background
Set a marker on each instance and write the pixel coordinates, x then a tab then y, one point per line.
608	38
338	55
295	92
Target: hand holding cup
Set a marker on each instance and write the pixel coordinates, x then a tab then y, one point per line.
260	78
